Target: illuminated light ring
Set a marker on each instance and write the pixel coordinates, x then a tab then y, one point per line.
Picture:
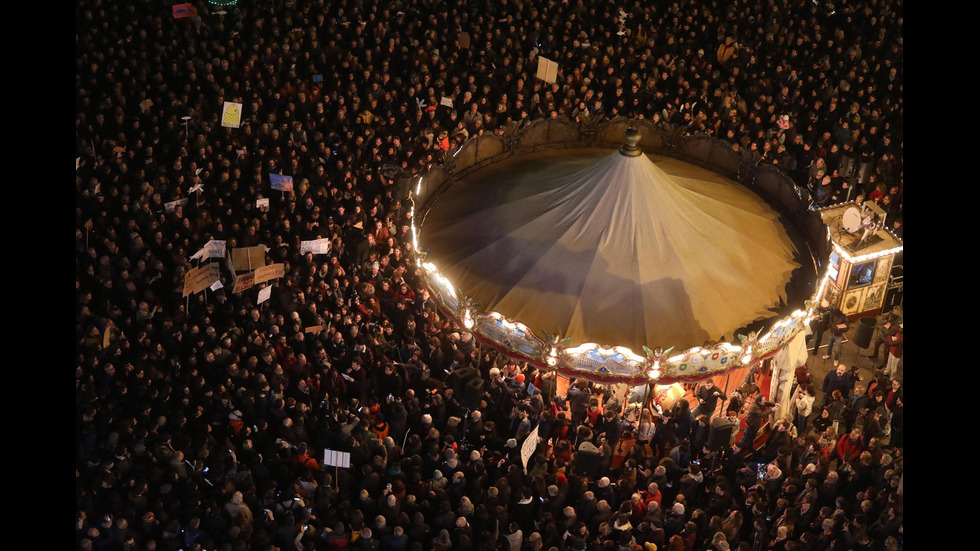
570	361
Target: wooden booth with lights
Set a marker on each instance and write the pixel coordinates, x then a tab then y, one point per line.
861	259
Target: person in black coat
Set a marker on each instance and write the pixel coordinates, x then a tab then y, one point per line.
840	380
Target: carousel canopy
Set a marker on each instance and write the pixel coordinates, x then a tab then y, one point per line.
610	248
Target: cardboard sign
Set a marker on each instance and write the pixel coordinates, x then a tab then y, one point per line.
231	115
547	70
244	282
313	329
316	246
200	278
464	40
246	259
271	271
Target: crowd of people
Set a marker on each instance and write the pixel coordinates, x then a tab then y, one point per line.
201	421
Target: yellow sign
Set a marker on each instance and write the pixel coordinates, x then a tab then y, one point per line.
231	115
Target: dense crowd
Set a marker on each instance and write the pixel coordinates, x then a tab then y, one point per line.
201	421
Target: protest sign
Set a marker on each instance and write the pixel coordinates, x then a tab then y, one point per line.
271	271
333	458
231	115
200	278
530	444
244	282
246	259
547	70
316	246
264	294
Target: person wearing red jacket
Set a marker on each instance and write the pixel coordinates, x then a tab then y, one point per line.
850	446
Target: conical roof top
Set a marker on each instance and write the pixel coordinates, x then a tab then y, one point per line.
611	248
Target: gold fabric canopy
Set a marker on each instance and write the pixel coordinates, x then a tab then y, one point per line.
611	249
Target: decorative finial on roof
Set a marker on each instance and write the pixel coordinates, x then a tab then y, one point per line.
631	148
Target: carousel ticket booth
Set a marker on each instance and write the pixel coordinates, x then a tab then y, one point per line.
862	254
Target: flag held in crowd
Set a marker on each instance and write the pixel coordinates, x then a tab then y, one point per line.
184	10
280	182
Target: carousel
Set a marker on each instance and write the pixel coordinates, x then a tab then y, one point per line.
622	263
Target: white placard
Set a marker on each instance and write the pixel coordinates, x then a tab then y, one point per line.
333	458
530	444
316	246
265	294
169	207
211	249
